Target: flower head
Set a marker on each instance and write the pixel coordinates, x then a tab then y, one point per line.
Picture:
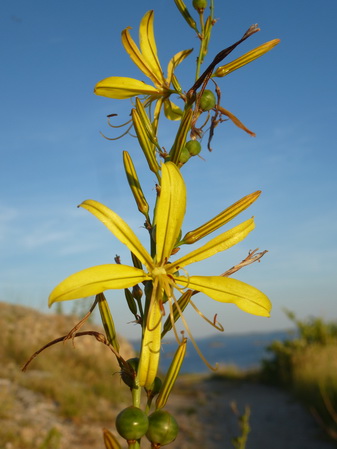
146	59
163	273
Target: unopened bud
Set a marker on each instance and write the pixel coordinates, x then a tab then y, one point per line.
224	217
134	184
171	374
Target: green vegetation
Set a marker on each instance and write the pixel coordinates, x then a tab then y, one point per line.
307	365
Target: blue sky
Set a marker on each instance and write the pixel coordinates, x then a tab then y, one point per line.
53	157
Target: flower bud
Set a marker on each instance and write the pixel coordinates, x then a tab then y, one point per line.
245	59
186	15
110	440
131	301
155	388
171	374
224	217
144	141
134	184
129	372
107	321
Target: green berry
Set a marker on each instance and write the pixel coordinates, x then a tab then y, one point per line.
207	100
163	428
132	423
155	387
199	4
193	147
184	155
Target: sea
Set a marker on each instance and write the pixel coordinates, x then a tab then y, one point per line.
244	351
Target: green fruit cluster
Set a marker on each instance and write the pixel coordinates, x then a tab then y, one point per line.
191	148
160	427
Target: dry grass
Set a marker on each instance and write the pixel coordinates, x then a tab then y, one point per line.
80	382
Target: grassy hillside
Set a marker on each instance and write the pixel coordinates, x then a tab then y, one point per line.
307	365
65	385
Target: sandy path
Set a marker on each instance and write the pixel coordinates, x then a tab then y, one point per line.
277	421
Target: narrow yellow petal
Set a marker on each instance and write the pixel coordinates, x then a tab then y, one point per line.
172	111
121	87
217	244
120	229
170	211
223	289
218	221
94	280
148	46
174	62
137	57
150	352
245	59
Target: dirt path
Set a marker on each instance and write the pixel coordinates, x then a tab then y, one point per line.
277	421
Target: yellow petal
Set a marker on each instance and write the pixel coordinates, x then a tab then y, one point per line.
172	111
148	45
94	280
121	87
150	352
224	217
120	229
223	289
170	211
137	57
245	59
216	245
174	62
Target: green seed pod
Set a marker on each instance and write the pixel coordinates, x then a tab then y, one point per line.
207	100
129	372
199	5
132	423
155	387
131	301
184	155
133	362
194	147
163	428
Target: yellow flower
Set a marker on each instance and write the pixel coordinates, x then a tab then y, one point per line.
169	215
146	59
